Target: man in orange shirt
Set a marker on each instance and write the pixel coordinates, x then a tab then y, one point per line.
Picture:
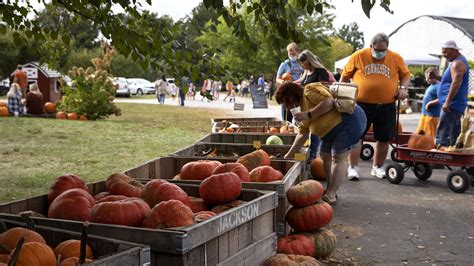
382	77
20	78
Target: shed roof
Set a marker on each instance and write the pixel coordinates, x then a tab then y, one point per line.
49	73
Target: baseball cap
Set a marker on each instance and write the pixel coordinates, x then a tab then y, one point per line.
450	44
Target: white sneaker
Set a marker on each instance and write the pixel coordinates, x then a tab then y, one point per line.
353	173
378	172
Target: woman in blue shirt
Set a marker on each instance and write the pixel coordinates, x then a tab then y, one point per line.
430	108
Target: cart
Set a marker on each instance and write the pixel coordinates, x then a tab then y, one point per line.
367	151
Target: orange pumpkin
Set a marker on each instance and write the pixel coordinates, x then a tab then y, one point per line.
156	192
5	259
224	207
255	159
265	174
61	115
203	215
421	141
290	259
111	198
303	219
72	204
63	183
198	170
285	130
273	130
34	253
286	77
129	211
121	184
50	108
2	104
10	238
220	188
72	116
305	193
73	261
4	111
71	248
83	118
198	205
317	169
324	242
296	244
171	213
236	168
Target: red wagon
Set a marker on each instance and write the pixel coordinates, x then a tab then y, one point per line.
367	151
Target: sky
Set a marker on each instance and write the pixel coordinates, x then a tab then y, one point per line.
347	12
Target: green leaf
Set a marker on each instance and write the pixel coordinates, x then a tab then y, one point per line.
17	38
367	5
208	3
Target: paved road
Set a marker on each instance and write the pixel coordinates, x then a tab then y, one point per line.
416	222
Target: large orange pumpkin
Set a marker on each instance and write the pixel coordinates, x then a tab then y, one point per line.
317	169
296	244
34	253
3	104
72	248
4	111
72	116
121	184
50	108
305	193
129	211
171	213
198	205
220	188
63	183
198	170
236	168
303	219
203	215
265	174
101	195
73	261
61	115
165	191
10	238
421	141
324	242
290	259
255	159
110	198
72	204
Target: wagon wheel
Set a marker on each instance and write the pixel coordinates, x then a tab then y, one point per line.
459	181
393	155
395	173
422	170
367	152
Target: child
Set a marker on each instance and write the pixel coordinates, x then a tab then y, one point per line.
430	108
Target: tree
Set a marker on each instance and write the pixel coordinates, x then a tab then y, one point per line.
351	34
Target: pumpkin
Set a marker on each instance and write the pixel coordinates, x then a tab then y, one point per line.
237	168
324	242
121	184
317	169
220	188
3	104
9	239
421	141
203	215
290	259
286	77
61	115
285	130
83	118
198	205
72	116
101	195
171	213
5	259
198	170
296	244
111	198
129	211
255	159
305	193
71	248
227	206
34	253
4	111
73	261
155	194
309	218
273	130
265	174
117	177
73	204
63	183
50	108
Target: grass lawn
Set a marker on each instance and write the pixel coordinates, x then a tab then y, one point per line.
35	151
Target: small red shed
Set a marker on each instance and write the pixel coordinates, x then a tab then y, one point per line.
48	80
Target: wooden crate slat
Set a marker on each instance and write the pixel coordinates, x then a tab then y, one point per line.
255	254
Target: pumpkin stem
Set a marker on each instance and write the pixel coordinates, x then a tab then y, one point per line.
18	247
82	253
3	227
58	260
30	224
421	132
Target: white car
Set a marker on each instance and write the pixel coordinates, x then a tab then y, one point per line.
121	86
140	86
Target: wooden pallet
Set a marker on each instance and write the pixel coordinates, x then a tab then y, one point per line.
169	167
245	138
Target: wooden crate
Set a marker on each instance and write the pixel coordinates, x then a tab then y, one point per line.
253	129
168	167
106	251
210	242
245	138
255	126
238	120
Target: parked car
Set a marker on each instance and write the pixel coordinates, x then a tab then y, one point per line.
121	86
140	86
4	86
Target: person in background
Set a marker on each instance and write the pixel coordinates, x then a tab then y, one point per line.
291	66
271	88
452	95
339	132
430	108
229	87
183	89
14	104
261	82
161	89
245	88
191	91
21	79
382	78
34	100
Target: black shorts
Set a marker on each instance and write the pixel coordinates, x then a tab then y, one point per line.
383	118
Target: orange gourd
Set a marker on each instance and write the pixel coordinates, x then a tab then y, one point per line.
72	116
4	111
10	238
421	141
317	169
61	115
34	253
50	108
71	248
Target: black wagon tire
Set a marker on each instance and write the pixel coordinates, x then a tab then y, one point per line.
422	171
395	173
366	152
459	181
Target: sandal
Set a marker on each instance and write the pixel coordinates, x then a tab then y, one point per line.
328	200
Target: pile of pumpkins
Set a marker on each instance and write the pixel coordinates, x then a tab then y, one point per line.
307	216
49	108
3	109
35	250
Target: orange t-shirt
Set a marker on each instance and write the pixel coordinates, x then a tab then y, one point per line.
21	78
377	79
